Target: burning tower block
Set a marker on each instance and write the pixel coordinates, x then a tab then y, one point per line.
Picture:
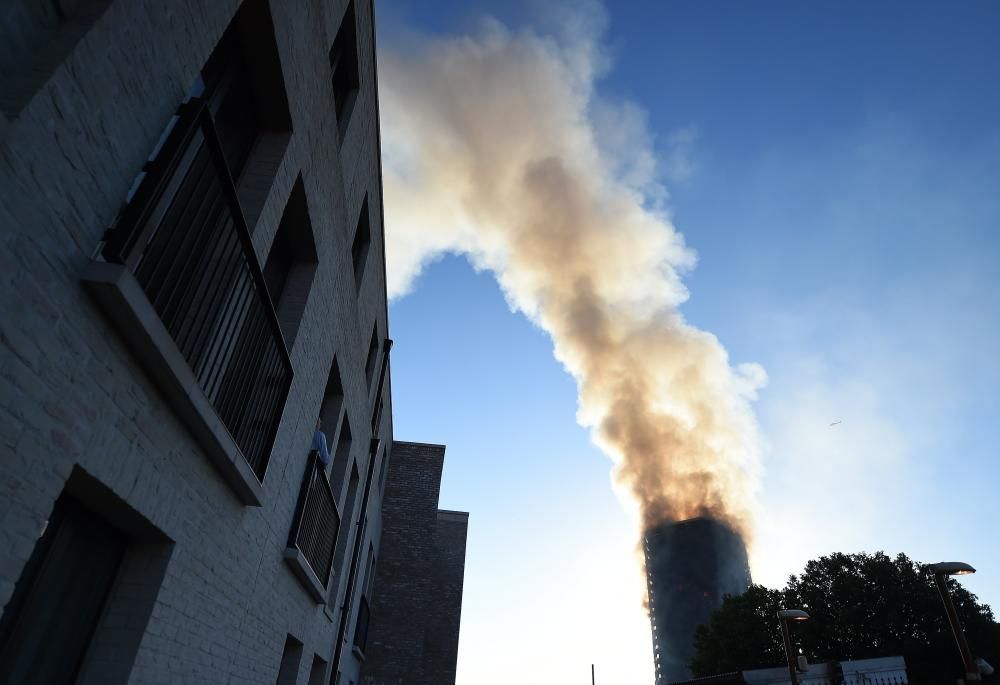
690	566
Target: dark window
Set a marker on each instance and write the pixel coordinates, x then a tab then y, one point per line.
50	620
349	505
383	470
361	625
369	571
342	456
372	356
229	93
291	264
344	64
379	404
333	402
279	263
291	656
362	241
317	671
377	414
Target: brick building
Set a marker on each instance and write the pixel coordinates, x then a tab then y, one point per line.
413	638
194	276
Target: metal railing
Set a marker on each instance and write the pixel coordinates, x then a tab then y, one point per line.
314	531
184	238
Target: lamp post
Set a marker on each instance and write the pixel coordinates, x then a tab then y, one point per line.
941	571
784	616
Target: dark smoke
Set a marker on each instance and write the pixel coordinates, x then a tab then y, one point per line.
495	147
690	566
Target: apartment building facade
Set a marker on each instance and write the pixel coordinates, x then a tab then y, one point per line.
420	578
194	282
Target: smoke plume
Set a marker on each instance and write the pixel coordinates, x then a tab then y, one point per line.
497	146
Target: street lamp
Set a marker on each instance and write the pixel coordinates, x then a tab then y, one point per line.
955	568
784	616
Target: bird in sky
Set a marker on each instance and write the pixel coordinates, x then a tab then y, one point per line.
837	422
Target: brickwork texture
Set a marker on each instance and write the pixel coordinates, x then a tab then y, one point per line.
74	399
418	582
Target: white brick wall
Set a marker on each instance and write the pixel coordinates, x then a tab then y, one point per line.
71	393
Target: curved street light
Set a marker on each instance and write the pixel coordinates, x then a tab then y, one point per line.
784	616
955	568
793	615
952	568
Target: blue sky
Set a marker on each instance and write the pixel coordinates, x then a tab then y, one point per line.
836	168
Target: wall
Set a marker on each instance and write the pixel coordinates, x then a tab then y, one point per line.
416	611
445	609
72	395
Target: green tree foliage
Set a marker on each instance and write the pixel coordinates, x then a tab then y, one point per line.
862	606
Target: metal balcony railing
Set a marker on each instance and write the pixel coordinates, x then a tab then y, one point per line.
184	238
314	531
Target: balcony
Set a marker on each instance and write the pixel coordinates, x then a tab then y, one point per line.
313	537
181	282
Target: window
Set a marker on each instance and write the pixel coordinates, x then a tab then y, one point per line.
372	356
229	92
379	404
67	582
185	238
350	503
49	622
383	470
364	608
243	80
342	456
361	626
369	571
362	241
291	657
317	671
377	413
291	264
363	619
279	263
344	64
333	402
38	35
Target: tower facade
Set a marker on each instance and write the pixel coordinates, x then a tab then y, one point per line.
690	566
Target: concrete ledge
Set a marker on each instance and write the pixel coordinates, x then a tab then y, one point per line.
304	572
121	298
456	516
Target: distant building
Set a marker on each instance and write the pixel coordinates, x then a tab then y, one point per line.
413	637
690	566
193	255
882	671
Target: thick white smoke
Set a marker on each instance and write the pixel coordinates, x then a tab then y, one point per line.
496	146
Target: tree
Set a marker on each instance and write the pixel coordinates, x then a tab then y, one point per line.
861	606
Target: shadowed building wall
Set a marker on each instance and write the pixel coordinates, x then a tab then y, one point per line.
690	566
191	203
445	610
417	593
